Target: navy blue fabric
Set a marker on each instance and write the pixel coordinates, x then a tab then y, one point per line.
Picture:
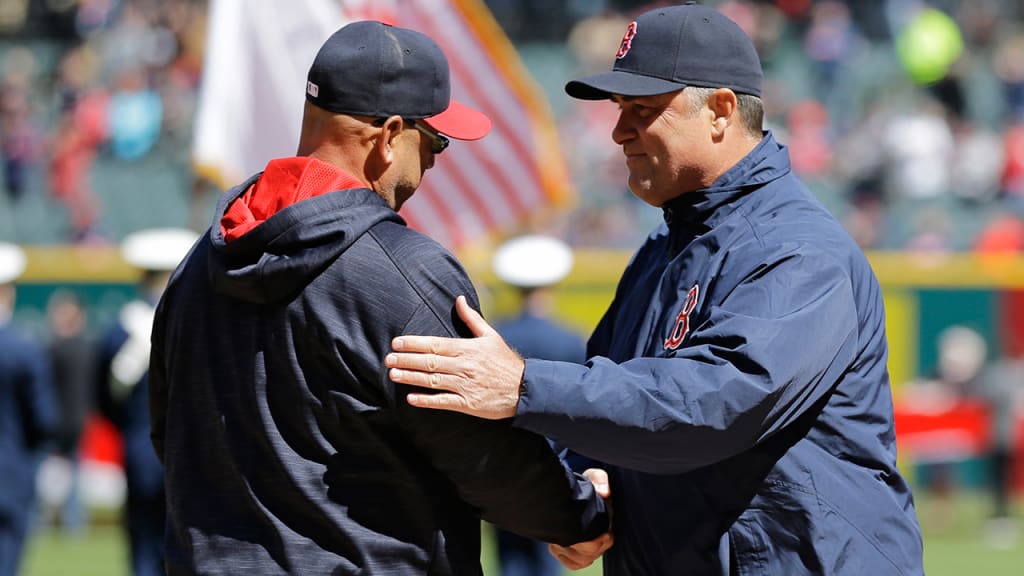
288	450
771	424
28	417
537	337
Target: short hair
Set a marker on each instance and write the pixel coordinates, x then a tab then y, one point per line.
751	108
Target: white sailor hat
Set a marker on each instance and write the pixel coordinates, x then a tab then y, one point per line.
532	261
12	262
158	249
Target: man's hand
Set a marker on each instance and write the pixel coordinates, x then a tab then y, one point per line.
584	554
479	376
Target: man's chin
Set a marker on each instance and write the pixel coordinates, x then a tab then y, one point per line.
642	191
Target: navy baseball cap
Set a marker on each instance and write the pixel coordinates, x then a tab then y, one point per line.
370	68
668	49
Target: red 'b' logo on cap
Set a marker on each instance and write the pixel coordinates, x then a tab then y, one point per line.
627	40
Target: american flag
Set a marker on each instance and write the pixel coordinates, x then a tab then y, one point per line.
251	101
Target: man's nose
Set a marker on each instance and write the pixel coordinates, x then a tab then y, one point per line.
623	130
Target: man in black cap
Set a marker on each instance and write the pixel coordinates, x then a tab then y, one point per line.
286	447
736	390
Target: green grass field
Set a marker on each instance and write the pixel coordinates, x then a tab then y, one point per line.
955	545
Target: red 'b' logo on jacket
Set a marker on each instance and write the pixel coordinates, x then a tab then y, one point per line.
627	40
682	325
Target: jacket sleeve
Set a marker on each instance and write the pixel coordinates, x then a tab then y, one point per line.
38	398
511	476
765	355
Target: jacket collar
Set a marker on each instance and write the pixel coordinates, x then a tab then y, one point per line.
768	161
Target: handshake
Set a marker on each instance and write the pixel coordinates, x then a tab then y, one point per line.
583	554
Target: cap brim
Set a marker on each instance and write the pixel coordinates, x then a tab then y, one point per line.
602	86
461	122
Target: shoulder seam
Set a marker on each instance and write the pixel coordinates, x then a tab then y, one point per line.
423	301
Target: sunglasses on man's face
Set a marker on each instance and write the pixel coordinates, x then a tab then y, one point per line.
438	142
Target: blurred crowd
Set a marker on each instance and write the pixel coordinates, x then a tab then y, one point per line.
906	117
90	80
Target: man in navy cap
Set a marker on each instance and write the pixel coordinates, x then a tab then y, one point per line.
287	448
28	416
736	389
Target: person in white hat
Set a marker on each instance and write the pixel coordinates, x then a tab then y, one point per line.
534	264
123	392
28	415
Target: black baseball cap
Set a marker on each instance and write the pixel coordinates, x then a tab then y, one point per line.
668	49
370	68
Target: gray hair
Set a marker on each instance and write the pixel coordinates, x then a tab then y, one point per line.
751	108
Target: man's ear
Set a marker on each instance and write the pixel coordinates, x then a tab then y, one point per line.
723	104
385	141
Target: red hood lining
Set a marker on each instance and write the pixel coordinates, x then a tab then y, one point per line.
284	182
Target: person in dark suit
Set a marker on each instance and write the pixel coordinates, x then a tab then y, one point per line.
28	416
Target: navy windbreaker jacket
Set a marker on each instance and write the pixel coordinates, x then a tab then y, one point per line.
286	447
737	389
